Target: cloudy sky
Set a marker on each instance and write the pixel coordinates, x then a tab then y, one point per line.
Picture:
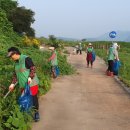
78	18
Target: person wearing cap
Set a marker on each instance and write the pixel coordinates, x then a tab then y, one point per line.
54	61
25	72
89	57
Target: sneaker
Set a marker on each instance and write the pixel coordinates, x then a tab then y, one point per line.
36	116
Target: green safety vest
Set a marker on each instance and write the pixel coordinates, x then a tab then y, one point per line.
22	73
80	47
54	62
111	53
89	49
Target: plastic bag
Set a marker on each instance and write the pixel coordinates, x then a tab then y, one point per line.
93	56
57	70
25	100
116	66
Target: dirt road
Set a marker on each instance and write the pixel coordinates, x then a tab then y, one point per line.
88	100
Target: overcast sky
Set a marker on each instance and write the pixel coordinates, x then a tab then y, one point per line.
78	18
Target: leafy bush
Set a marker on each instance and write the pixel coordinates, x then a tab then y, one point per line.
65	67
31	42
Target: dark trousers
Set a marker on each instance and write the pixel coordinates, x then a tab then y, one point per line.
110	65
53	71
35	102
88	61
79	51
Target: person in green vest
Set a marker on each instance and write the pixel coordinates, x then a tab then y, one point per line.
89	57
111	57
25	72
54	61
80	48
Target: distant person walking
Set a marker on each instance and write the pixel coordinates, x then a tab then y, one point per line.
77	49
80	48
89	57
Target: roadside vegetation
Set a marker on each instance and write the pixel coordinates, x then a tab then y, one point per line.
11	118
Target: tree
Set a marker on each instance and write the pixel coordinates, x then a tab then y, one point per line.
22	19
31	32
54	41
52	38
8	5
83	40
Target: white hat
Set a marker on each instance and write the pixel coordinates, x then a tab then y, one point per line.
90	44
51	48
115	44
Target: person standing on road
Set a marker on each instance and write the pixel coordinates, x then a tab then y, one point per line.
77	49
25	72
111	57
54	62
80	48
89	57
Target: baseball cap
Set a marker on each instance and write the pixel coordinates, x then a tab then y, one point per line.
13	50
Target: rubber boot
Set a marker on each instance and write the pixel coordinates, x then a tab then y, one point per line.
36	116
108	73
111	74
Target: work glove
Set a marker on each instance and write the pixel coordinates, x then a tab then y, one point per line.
117	59
11	87
29	80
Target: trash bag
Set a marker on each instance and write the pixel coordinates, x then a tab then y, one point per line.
25	100
116	66
57	70
93	56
